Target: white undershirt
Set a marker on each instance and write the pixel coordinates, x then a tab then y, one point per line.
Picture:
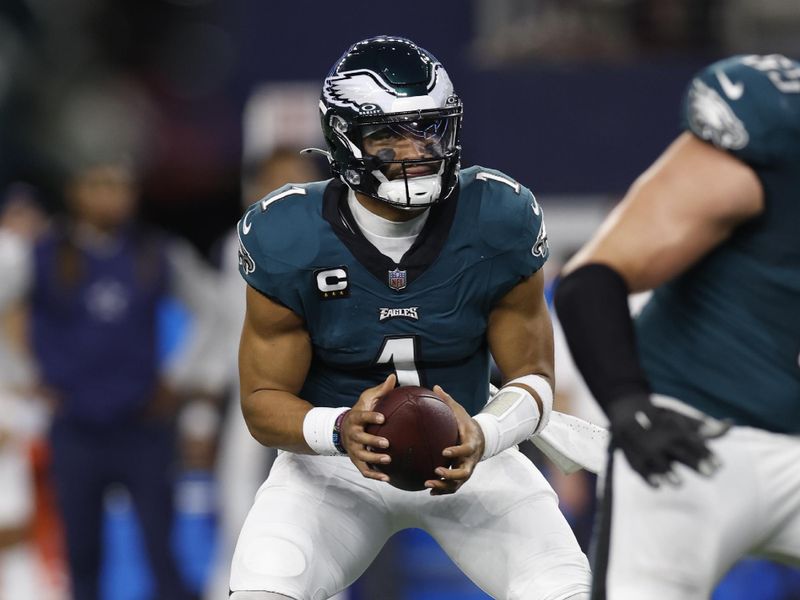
392	238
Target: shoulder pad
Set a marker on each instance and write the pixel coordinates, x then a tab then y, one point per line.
748	105
279	235
510	218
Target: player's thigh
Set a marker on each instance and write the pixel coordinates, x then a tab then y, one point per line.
674	543
778	457
503	528
315	526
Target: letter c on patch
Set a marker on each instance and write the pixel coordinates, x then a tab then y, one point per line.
332	280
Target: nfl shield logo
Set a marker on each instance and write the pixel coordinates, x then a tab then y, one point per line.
397	279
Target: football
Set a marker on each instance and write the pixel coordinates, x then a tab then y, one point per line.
418	425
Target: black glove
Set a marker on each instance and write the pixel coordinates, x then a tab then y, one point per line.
653	438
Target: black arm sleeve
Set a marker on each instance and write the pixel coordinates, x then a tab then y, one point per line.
592	305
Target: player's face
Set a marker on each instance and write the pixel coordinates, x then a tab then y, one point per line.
414	140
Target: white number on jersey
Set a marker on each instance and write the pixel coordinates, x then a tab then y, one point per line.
401	352
781	71
484	176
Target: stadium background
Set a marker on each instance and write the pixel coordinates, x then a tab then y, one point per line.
572	97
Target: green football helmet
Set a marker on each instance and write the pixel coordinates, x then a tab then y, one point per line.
392	122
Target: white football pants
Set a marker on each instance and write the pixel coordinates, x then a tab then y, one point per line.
676	543
317	524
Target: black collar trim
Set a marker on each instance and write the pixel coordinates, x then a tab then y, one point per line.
415	261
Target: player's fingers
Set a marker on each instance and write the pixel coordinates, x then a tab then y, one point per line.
387	386
460	451
702	460
368	456
363	438
383	388
673	478
450	401
710	465
439	391
460	473
369	472
439	487
713	428
691	451
360	418
370	396
457	409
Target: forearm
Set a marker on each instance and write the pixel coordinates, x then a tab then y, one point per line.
275	419
521	340
592	305
282	420
520	409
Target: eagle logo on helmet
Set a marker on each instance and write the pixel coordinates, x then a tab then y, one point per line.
367	92
357	89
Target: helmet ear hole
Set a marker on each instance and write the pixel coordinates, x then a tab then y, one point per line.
338	124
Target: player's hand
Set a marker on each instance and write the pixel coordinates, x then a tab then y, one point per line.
464	457
358	443
654	439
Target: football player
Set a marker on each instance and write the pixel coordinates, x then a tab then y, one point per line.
402	268
713	227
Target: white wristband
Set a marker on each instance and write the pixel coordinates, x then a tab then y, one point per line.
512	415
318	429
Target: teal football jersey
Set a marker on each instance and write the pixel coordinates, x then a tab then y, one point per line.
424	318
725	336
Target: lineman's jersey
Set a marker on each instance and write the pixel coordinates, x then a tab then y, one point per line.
725	336
424	318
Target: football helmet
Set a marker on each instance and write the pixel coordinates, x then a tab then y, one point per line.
392	122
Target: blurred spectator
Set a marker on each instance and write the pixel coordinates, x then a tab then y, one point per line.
21	418
243	463
94	283
22	220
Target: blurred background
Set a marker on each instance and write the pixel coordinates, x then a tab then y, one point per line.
202	104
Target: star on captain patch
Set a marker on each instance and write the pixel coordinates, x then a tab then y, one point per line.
397	279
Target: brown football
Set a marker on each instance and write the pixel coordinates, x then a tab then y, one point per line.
418	425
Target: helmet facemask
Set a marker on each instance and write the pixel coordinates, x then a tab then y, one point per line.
409	160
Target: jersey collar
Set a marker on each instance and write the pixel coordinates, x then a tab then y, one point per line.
420	256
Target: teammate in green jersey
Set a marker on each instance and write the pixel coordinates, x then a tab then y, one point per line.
714	227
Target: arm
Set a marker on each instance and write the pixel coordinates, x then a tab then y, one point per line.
688	202
274	357
520	332
520	337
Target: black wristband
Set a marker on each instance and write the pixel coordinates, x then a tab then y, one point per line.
592	306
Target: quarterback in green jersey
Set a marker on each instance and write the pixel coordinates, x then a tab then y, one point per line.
714	228
402	268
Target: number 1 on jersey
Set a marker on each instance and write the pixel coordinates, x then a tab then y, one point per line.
401	353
